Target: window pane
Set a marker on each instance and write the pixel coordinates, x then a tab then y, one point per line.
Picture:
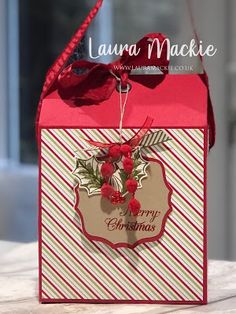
45	27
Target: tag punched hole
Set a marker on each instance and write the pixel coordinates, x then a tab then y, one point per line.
124	89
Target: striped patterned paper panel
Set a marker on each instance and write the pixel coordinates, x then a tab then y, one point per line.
169	270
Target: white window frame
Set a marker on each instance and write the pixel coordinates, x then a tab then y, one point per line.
16	179
9	61
3	84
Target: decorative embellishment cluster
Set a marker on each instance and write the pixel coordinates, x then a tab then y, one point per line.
116	172
128	176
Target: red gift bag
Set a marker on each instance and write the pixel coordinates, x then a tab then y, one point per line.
122	180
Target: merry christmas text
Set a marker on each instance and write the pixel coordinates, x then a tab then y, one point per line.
145	221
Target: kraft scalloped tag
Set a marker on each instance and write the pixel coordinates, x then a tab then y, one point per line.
115	225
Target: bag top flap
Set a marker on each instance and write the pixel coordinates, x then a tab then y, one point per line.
179	101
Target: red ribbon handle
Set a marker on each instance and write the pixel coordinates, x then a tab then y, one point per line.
204	77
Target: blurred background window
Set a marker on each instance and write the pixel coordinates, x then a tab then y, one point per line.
32	35
45	27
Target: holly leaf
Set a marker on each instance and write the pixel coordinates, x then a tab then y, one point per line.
140	168
87	172
116	181
154	139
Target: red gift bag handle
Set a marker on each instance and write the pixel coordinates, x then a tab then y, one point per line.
204	77
58	66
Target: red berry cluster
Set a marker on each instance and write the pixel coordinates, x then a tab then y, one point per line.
107	170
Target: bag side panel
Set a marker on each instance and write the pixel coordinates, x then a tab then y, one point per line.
75	269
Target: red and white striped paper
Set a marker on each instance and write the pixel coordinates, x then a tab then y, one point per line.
170	270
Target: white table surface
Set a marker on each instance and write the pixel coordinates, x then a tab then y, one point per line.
18	288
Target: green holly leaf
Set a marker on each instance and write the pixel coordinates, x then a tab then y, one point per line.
140	168
120	177
155	138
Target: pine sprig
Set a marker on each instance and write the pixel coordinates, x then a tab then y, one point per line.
88	173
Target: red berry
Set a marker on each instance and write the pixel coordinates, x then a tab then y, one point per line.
134	206
128	165
131	185
114	151
107	190
126	150
107	170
